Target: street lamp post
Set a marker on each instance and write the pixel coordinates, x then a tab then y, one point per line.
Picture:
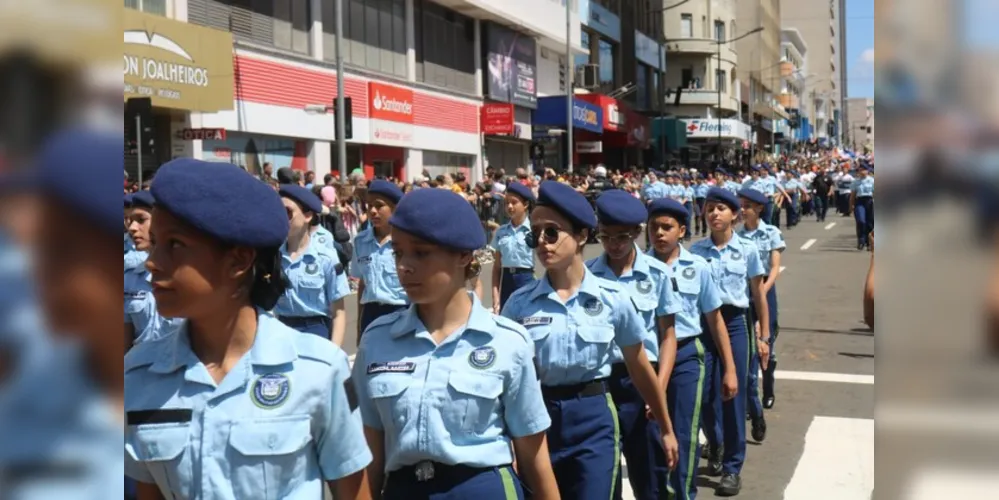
719	43
570	85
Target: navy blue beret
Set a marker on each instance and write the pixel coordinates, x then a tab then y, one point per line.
568	202
440	217
79	168
721	171
386	189
143	199
128	200
668	206
303	196
724	196
753	196
618	208
223	201
520	190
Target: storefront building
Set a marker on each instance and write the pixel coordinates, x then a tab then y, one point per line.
550	126
510	76
184	70
703	137
625	135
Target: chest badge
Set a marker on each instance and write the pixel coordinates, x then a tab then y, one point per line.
688	273
482	358
322	239
593	307
312	268
644	287
271	391
736	255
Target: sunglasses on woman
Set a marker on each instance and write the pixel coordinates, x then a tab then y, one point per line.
549	235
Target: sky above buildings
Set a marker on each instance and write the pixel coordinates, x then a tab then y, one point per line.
860	48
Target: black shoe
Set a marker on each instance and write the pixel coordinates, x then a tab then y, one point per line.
729	486
768	402
759	429
860	246
715	461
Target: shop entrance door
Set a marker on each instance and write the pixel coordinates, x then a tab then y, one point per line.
384	168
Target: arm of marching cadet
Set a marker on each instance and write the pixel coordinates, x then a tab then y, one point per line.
337	290
869	296
342	451
374	435
497	276
759	298
147	491
670	304
709	304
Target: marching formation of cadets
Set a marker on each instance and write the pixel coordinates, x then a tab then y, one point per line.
236	387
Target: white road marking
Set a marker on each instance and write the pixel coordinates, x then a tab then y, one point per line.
830	225
782	268
951	483
841	378
808	244
837	463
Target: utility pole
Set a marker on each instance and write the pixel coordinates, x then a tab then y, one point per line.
341	121
570	86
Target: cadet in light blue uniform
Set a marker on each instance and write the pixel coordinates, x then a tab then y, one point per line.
574	319
734	261
758	181
445	387
620	217
862	204
792	203
770	243
379	291
61	398
701	188
733	184
317	284
509	244
656	188
701	299
142	322
235	405
688	203
133	258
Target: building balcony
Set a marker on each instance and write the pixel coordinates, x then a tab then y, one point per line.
789	101
787	69
692	46
707	97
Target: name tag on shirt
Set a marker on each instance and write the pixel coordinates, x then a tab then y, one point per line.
364	260
391	367
536	320
135	295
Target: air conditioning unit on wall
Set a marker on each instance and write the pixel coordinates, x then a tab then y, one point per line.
588	76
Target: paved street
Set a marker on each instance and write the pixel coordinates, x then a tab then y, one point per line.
820	443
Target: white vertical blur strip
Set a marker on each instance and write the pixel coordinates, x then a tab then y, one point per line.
837	463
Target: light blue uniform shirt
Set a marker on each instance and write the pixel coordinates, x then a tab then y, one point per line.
792	185
688	193
133	258
863	187
321	237
649	282
767	238
732	186
279	423
140	310
574	339
511	242
316	281
460	402
731	266
374	264
655	190
697	291
758	184
701	190
129	244
675	192
769	185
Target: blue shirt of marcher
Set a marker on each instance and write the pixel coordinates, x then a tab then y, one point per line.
792	185
651	288
316	281
701	190
655	190
863	187
767	238
732	186
375	265
278	424
697	290
511	242
574	339
757	184
323	238
460	402
688	193
133	258
141	313
731	266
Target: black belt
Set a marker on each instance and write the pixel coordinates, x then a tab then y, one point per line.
729	311
619	370
296	321
435	471
684	341
863	198
518	270
585	389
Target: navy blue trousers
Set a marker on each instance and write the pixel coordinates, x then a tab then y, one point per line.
583	444
701	226
753	392
863	214
510	282
374	310
316	325
768	212
499	483
683	397
725	423
691	215
647	471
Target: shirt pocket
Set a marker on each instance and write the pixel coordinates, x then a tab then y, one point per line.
690	291
735	273
472	403
593	343
387	391
270	456
646	305
310	290
163	450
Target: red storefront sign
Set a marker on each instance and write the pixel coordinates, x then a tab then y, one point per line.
497	119
639	129
614	118
388	102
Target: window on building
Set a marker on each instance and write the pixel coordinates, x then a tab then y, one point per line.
642	86
720	31
720	81
584	40
283	24
445	47
687	78
686	25
607	68
374	34
157	7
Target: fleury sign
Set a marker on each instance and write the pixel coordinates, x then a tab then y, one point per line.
391	112
177	65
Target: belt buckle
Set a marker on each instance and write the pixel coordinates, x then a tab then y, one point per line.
424	471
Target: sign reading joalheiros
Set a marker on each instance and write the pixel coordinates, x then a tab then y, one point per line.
178	65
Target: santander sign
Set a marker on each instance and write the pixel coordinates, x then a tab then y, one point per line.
390	103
